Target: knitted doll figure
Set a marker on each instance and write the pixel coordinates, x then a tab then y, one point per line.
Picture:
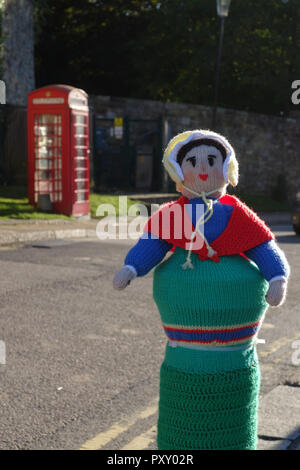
212	294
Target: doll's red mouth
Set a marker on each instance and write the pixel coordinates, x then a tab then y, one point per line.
203	176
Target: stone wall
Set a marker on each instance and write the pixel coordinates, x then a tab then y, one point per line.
13	152
267	147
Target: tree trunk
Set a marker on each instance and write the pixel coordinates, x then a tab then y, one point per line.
18	50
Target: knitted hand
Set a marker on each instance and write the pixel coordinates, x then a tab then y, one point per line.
277	292
123	277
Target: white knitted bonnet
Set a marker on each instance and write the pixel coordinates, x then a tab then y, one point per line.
230	165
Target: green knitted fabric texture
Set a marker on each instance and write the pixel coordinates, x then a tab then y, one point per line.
209	399
210	362
208	411
226	293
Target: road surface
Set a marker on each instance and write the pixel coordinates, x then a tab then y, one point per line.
82	360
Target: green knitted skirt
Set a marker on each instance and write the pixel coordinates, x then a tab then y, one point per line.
209	396
208	410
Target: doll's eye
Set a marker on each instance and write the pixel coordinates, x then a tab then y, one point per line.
192	160
211	160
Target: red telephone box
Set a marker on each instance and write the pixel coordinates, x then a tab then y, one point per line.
58	149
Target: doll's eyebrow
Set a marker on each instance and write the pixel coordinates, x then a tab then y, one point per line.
192	159
214	156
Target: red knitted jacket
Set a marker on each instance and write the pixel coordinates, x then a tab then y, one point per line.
244	231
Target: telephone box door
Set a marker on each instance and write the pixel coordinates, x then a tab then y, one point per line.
49	146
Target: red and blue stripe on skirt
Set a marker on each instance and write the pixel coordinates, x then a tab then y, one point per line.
213	335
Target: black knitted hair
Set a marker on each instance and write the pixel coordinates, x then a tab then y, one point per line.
196	143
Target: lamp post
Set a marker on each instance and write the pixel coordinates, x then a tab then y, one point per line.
222	10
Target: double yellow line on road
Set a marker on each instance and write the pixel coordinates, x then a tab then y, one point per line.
145	439
142	441
104	438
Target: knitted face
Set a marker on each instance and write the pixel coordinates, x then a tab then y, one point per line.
202	167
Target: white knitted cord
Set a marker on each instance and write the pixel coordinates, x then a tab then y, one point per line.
208	212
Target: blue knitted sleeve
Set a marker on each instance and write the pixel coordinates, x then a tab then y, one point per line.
270	259
147	253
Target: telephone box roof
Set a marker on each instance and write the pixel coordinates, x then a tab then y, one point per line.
66	89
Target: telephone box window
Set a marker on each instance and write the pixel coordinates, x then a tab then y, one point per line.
80	119
81	174
47	158
80	197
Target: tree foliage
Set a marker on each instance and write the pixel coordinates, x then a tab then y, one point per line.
167	50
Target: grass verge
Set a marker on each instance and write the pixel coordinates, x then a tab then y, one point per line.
14	205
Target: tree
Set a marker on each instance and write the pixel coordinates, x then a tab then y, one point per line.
18	50
166	50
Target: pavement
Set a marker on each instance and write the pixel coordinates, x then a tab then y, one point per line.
13	231
279	419
279	410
